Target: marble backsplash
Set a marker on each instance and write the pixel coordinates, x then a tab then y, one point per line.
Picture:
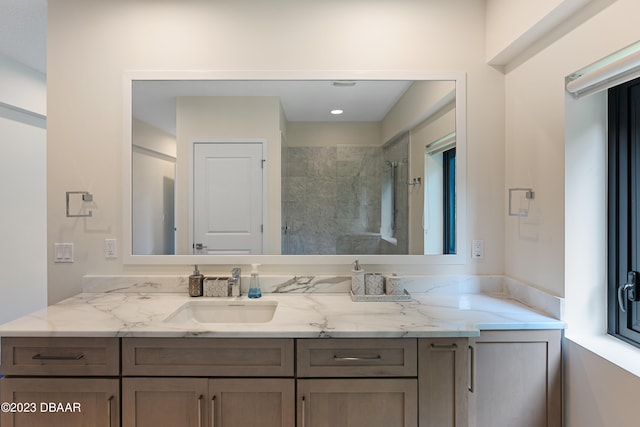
497	286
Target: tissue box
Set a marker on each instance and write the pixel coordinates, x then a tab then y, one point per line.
216	287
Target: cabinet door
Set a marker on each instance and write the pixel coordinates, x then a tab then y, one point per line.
358	403
159	402
67	402
443	382
252	402
516	379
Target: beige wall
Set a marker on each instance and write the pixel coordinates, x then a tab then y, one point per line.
535	142
320	134
85	93
546	249
511	19
92	43
422	100
421	218
202	118
151	138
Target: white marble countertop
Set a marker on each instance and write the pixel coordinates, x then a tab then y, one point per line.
298	315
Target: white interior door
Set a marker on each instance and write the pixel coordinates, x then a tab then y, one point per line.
227	197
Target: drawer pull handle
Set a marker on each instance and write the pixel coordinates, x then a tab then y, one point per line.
213	411
109	403
356	358
445	346
472	369
200	410
43	357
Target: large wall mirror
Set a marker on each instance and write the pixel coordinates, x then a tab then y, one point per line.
297	168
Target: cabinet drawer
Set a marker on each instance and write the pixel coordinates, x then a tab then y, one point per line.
357	357
61	356
241	357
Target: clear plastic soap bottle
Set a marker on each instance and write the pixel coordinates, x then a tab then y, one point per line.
254	284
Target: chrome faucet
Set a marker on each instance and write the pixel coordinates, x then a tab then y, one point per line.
235	282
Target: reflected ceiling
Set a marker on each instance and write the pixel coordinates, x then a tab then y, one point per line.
362	101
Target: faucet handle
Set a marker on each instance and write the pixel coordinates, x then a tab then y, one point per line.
235	282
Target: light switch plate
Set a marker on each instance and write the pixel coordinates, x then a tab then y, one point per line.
63	252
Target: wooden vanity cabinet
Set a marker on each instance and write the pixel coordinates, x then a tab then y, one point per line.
61	381
499	379
516	379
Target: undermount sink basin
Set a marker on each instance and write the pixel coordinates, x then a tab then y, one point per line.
211	311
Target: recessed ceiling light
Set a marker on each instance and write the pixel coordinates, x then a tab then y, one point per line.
336	112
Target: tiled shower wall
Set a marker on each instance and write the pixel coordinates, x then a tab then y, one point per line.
331	199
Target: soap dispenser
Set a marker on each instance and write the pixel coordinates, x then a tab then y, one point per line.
254	284
195	283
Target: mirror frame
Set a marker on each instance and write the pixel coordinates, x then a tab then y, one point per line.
460	257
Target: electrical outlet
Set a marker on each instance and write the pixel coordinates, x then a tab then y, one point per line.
63	252
110	248
477	249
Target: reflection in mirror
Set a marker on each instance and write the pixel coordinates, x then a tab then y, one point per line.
264	167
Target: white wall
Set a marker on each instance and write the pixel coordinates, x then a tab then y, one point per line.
22	87
85	93
23	190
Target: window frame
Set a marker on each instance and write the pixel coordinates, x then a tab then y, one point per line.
449	201
623	251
